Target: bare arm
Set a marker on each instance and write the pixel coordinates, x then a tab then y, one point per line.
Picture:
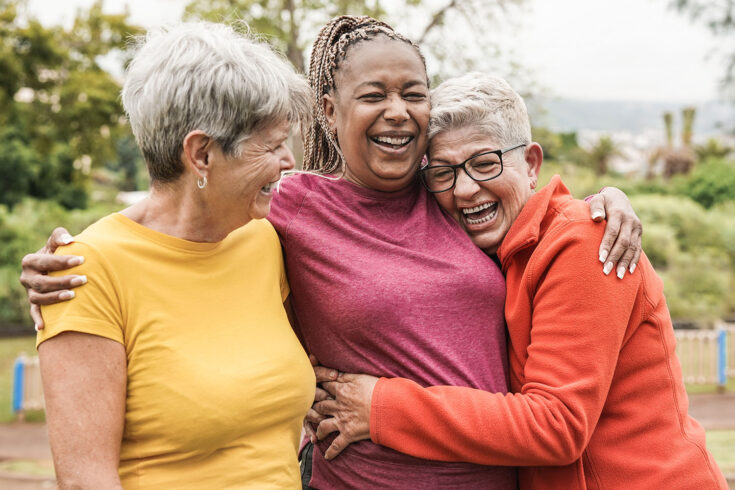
84	383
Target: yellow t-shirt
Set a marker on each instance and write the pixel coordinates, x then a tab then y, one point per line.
218	383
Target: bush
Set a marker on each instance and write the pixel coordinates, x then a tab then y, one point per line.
710	183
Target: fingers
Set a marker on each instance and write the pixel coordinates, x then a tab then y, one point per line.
325	374
326	427
636	258
621	245
321	395
41	284
309	432
597	207
36	317
50	298
612	228
313	360
43	262
326	407
337	446
58	238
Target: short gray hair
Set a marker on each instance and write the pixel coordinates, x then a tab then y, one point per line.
206	76
483	102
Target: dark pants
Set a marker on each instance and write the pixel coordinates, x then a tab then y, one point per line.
306	457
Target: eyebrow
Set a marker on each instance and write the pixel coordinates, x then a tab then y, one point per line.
447	162
381	85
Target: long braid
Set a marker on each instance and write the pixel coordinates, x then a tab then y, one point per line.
321	150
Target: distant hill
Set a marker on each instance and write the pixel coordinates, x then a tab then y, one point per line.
712	118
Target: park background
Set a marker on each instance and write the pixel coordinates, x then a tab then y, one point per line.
637	94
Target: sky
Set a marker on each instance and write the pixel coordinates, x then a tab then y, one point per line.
638	50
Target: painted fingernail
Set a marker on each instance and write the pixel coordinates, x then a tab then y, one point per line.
597	214
621	272
79	280
66	295
632	268
332	374
608	267
36	327
66	238
603	256
78	260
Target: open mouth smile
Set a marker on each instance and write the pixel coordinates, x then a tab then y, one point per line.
480	214
392	142
268	188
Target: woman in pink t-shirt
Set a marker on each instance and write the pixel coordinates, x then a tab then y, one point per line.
375	267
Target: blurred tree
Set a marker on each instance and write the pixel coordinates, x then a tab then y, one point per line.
713	148
711	182
550	141
62	107
600	154
292	25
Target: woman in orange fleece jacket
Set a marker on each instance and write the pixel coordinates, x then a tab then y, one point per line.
598	399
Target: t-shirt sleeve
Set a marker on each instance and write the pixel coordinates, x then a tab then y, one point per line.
95	308
286	202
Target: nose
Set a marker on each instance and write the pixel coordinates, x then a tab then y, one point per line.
288	162
464	186
396	110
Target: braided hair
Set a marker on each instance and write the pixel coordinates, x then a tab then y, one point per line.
321	150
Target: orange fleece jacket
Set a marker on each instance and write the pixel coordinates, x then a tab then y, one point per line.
598	399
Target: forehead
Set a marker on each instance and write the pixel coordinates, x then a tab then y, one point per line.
460	143
380	59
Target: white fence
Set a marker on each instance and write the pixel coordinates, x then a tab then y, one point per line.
27	388
707	356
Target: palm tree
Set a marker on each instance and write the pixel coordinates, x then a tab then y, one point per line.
602	152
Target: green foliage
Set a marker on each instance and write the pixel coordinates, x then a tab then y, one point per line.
550	141
711	182
60	112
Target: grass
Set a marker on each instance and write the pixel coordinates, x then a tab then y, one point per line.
10	349
28	467
721	443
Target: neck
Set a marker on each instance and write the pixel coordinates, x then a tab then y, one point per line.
182	212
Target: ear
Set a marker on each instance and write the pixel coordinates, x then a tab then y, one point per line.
197	148
534	158
328	104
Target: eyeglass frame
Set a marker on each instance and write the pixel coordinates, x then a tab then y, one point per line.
457	166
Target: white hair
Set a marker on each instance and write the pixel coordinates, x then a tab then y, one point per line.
480	101
208	77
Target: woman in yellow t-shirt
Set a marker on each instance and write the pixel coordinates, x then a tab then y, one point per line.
176	366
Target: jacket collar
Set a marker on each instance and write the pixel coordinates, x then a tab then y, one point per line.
528	227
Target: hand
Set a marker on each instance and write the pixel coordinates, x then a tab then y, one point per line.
313	417
46	290
349	410
621	244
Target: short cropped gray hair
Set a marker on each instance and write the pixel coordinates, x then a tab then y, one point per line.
206	76
480	101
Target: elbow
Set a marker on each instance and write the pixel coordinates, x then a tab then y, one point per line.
565	446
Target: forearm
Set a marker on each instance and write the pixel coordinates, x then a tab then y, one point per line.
449	423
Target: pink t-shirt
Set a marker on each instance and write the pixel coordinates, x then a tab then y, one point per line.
387	284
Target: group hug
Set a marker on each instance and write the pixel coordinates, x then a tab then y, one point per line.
409	310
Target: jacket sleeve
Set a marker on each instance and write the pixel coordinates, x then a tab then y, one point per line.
579	319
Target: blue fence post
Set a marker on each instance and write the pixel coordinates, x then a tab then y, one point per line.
18	369
721	360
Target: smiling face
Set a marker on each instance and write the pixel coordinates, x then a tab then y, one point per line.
248	180
380	112
486	210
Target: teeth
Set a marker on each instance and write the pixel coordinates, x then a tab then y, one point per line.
393	141
269	187
482	220
478	208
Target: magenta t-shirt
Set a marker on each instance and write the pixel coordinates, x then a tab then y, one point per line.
387	284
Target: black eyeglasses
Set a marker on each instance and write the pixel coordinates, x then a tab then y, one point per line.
480	168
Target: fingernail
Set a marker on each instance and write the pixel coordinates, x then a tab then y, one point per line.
66	239
36	327
66	295
608	267
332	374
78	260
79	280
632	268
603	256
597	214
621	272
